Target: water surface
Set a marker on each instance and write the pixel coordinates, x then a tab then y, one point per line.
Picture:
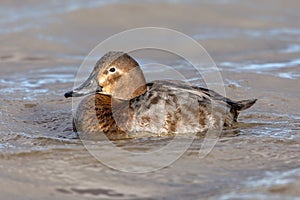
255	45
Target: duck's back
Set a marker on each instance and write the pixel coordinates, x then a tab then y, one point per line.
177	107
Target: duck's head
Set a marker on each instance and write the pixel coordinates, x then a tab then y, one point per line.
116	74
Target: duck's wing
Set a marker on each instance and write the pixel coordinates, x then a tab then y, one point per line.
209	96
201	91
187	87
173	106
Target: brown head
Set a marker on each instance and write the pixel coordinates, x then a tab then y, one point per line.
116	74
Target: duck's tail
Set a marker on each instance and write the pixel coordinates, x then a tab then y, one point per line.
236	108
244	104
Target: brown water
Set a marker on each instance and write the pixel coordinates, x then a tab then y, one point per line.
256	44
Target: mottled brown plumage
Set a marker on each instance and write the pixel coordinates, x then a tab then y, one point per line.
120	104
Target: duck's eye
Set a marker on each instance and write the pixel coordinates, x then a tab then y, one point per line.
112	69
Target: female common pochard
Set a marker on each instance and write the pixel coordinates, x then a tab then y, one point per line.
119	103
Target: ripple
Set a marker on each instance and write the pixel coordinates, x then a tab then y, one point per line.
266	68
35	82
278	126
292	48
251	196
261	66
270	181
28	14
275	178
230	33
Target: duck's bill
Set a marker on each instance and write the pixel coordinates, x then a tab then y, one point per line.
88	87
76	94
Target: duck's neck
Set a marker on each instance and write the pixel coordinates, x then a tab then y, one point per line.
130	85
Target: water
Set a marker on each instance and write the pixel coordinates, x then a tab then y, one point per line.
255	47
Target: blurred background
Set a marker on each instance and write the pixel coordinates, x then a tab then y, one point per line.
255	44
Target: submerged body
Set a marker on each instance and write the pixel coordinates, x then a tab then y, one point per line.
159	107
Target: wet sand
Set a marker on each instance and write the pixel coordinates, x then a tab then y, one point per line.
254	43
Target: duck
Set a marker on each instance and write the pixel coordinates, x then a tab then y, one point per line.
119	103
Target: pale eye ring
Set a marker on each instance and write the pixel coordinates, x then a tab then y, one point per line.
112	69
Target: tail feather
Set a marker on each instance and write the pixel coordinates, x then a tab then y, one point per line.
244	104
236	107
